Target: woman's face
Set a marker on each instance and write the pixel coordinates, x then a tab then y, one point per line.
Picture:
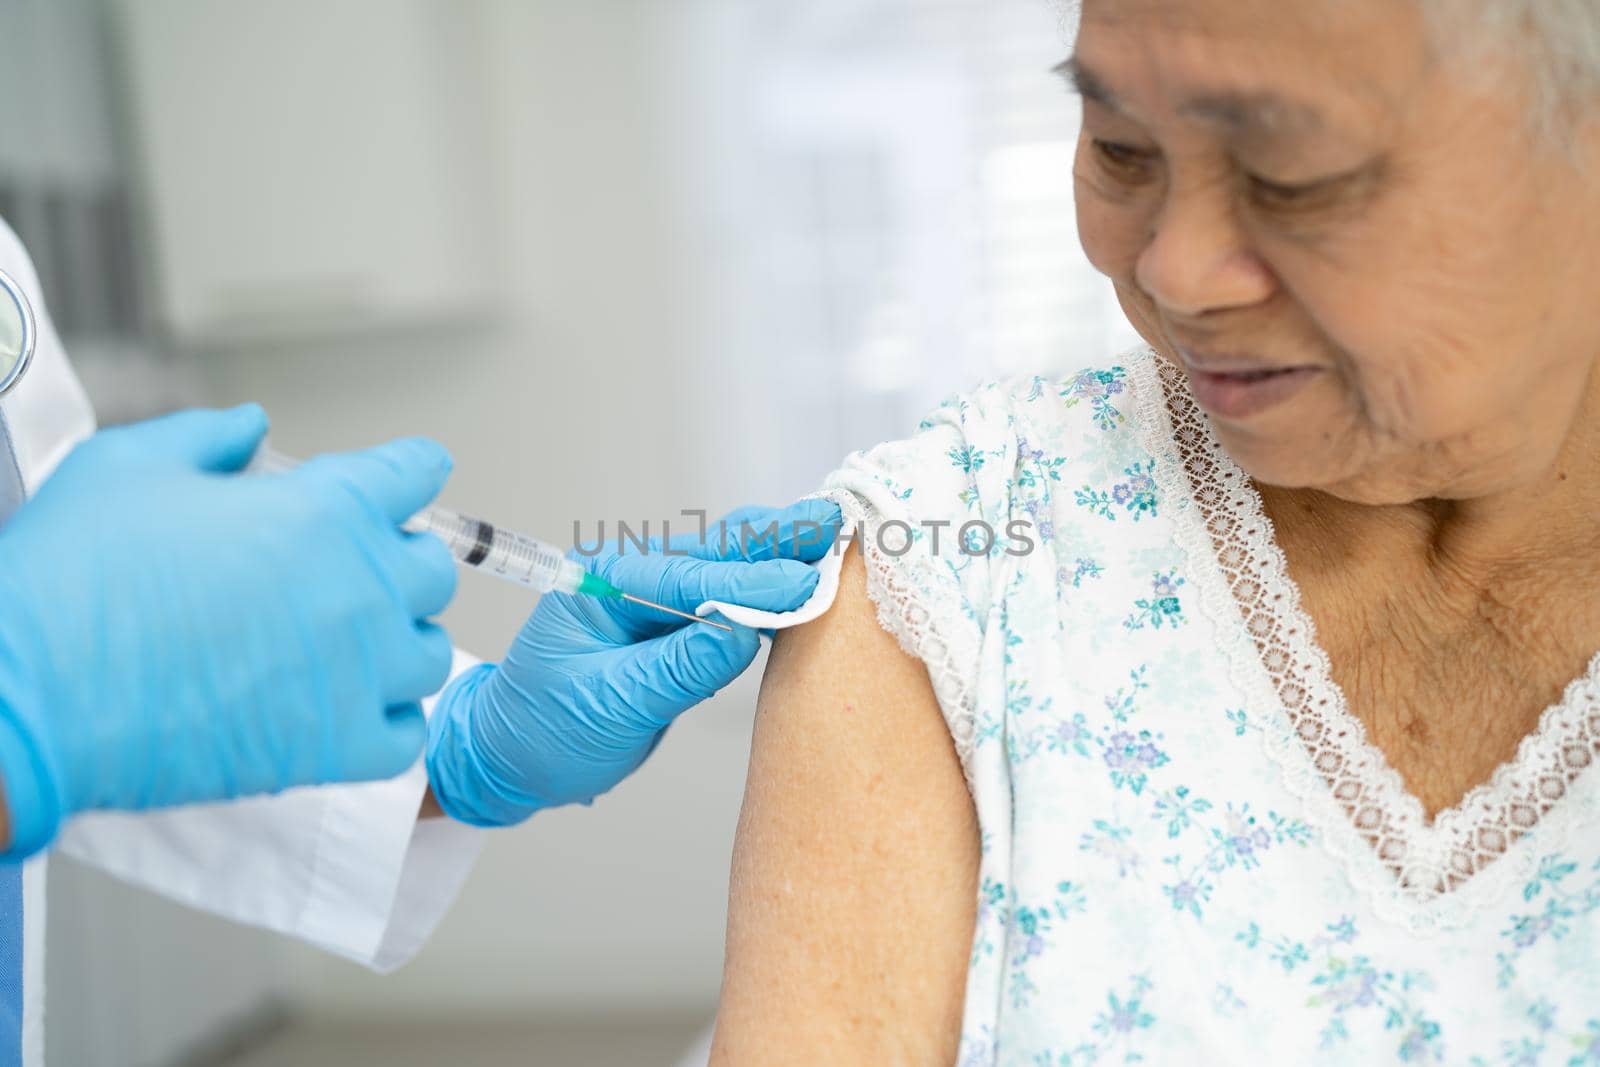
1307	188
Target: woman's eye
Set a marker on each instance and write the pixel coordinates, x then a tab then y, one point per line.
1124	162
1278	196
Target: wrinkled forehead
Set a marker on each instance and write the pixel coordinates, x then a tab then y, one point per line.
1283	64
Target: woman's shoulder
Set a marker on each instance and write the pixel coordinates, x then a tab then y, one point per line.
968	454
945	511
1101	396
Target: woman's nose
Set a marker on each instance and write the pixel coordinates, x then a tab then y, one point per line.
1197	258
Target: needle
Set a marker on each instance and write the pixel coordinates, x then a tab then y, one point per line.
675	611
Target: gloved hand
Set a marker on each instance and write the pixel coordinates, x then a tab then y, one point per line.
589	686
171	632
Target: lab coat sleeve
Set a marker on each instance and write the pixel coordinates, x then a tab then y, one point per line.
350	869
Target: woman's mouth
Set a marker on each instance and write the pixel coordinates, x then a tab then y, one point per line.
1238	393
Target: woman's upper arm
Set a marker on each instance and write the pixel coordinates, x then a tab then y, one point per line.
854	881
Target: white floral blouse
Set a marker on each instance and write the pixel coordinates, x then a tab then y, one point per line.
1191	853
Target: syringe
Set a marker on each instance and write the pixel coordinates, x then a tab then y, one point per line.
503	553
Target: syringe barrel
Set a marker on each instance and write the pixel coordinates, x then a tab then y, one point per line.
474	543
504	553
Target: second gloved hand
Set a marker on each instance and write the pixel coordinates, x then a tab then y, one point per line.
589	686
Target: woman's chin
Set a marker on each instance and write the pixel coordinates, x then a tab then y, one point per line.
1289	459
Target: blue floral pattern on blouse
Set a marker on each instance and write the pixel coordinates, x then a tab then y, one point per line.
1150	890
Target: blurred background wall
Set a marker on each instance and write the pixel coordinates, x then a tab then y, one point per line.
758	233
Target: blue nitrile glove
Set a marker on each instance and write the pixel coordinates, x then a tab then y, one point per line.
589	686
172	632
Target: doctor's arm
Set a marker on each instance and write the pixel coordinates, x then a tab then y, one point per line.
140	555
586	696
353	870
854	881
226	577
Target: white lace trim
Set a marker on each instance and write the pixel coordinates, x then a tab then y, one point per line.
903	613
1426	877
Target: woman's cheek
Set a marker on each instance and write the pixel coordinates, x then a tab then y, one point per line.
1112	234
1142	317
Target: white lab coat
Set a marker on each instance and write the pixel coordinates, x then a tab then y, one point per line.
349	869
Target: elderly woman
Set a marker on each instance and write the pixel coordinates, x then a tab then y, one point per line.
1269	734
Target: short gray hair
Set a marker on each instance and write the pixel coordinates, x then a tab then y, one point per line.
1559	41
